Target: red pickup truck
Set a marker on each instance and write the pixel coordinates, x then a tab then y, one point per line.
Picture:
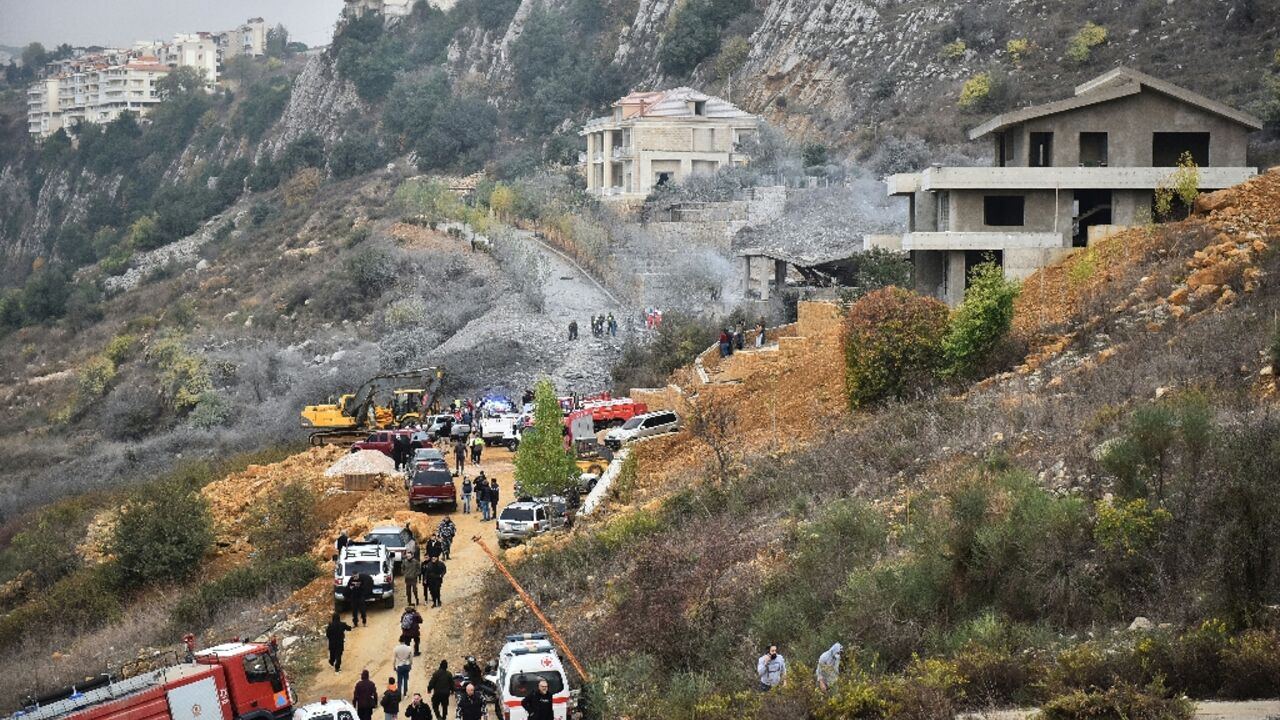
384	441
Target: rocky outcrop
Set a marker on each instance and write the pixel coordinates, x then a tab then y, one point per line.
318	103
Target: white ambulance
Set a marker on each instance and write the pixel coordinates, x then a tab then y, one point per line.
527	659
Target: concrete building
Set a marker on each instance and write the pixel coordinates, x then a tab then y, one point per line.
193	50
93	94
1063	173
250	39
387	8
652	138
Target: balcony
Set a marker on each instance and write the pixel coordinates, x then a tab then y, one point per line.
1060	178
986	240
621	152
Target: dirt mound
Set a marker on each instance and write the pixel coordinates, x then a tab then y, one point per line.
362	462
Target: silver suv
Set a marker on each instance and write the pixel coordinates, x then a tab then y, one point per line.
393	537
524	519
642	426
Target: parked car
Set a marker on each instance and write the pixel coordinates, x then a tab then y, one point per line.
642	426
384	441
524	519
438	426
426	454
393	537
431	487
326	709
364	557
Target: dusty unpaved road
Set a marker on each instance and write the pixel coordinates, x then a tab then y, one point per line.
444	635
1205	710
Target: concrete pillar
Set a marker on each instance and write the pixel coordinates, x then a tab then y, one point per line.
686	168
591	163
953	292
608	159
746	275
779	276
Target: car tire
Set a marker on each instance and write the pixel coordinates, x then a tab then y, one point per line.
513	445
389	602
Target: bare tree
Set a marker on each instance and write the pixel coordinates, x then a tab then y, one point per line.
713	422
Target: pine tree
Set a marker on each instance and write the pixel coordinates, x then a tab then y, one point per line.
543	465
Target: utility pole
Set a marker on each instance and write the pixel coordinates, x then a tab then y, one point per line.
528	600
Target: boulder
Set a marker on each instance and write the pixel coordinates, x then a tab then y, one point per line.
1210	202
1140	623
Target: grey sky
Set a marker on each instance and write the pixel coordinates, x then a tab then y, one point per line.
121	22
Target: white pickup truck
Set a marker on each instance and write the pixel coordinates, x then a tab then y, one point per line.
501	430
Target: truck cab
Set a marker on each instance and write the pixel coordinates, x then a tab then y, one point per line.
254	679
525	660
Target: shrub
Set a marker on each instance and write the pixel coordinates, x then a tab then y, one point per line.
693	33
813	154
899	155
626	529
996	677
161	534
210	411
975	91
184	376
370	270
356	154
302	186
242	583
892	339
1251	665
954	49
289	526
94	378
1273	350
1123	701
1017	48
981	321
542	465
732	55
1081	45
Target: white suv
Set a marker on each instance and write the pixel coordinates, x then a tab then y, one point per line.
642	426
371	558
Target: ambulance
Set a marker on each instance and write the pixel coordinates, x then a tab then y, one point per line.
527	659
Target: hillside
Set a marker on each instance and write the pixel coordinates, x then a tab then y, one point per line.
976	525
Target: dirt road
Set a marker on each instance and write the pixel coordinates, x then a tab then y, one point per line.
444	635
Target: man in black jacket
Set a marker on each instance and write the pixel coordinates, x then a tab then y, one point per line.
440	687
336	631
391	700
471	704
417	709
433	577
359	590
539	704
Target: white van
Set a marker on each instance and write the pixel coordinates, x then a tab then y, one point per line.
527	659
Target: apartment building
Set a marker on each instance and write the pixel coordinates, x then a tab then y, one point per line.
250	39
1063	174
386	8
194	50
653	138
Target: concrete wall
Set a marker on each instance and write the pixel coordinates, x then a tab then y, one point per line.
967	211
1129	123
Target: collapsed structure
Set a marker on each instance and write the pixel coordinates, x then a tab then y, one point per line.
1063	174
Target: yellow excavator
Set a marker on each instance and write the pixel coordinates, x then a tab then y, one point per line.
357	413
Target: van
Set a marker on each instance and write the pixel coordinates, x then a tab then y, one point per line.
525	660
642	426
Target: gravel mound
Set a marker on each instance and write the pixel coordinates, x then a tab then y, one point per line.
362	462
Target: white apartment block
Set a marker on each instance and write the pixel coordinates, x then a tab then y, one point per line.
386	8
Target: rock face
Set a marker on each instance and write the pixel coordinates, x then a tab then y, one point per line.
317	104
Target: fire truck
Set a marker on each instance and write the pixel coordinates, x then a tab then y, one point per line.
232	681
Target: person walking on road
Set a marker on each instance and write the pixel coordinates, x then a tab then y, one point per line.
613	326
828	671
441	686
365	696
411	567
770	668
435	548
466	496
390	701
336	631
411	627
402	661
539	704
433	577
573	329
482	496
470	705
459	456
477	447
493	498
417	709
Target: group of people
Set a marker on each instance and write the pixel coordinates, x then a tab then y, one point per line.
734	338
486	494
601	325
652	318
771	669
462	447
365	697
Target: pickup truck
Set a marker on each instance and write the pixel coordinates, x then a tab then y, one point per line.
613	412
384	441
501	429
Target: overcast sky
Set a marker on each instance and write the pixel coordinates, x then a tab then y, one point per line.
121	22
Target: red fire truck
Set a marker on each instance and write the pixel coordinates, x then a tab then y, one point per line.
232	681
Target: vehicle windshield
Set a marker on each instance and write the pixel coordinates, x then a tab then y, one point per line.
389	539
633	423
431	477
517	514
524	683
371	567
261	668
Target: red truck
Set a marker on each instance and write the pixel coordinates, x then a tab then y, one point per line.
613	412
384	441
430	486
233	681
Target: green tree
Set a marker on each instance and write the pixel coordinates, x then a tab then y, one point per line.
892	342
33	56
289	526
182	80
732	56
278	41
981	321
355	154
543	465
161	534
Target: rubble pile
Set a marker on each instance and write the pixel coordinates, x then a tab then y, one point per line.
362	462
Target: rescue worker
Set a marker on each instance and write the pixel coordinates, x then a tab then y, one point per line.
365	696
433	577
477	446
493	498
470	704
539	704
390	701
446	532
336	631
472	670
440	687
828	670
573	329
411	567
417	709
770	668
466	495
402	661
411	627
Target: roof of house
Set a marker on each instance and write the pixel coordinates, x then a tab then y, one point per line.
1111	85
675	103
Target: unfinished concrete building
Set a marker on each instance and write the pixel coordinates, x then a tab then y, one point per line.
1064	173
652	138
